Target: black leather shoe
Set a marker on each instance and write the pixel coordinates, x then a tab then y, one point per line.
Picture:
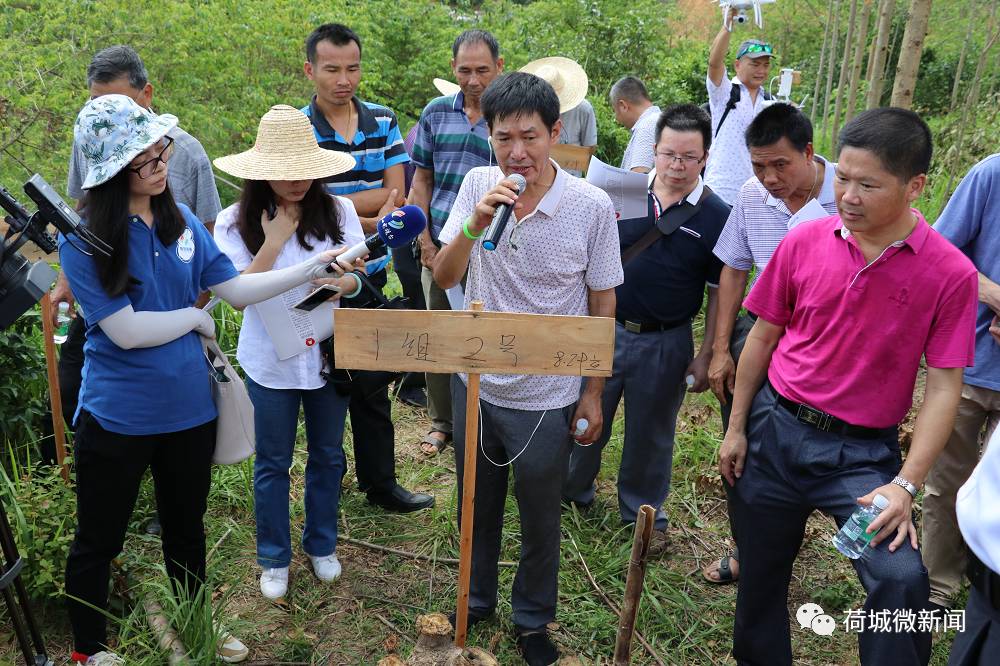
537	648
401	500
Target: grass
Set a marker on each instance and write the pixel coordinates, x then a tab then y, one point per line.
370	611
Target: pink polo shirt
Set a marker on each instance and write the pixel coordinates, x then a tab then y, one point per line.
854	335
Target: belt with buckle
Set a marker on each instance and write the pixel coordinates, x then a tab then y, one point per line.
640	327
829	423
984	579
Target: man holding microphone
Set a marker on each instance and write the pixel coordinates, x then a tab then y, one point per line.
559	254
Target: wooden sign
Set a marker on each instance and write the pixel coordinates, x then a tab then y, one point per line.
447	341
571	157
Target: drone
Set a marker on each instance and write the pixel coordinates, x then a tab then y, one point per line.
742	6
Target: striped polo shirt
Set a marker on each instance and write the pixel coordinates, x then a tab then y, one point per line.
759	221
377	145
450	146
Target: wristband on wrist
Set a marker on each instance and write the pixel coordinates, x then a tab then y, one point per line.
906	485
357	289
465	230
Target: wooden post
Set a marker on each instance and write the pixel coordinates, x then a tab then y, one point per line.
468	500
473	342
633	584
55	399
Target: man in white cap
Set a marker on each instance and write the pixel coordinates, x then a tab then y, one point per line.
734	103
452	138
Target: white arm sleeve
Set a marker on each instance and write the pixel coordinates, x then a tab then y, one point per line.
129	329
250	288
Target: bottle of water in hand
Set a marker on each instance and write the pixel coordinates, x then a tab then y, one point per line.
852	539
62	323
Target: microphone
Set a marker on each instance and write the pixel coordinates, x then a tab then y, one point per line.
396	229
502	214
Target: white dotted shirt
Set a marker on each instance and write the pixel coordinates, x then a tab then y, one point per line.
543	264
639	151
729	159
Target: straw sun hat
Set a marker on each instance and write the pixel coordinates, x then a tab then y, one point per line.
565	76
286	149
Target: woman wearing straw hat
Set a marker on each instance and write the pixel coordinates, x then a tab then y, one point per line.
282	172
145	401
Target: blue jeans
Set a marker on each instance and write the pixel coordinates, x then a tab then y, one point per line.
276	416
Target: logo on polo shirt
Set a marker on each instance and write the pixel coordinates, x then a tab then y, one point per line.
185	245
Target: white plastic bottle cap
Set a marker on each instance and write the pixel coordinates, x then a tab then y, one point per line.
690	380
881	502
581	427
63	307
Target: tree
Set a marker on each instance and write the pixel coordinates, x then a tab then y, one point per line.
859	54
822	62
972	97
909	55
834	39
961	56
844	68
880	53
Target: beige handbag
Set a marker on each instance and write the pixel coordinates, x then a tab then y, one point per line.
234	435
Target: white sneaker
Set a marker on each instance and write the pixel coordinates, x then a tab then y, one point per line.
326	568
105	659
274	583
231	649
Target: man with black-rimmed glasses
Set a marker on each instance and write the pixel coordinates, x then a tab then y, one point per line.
668	261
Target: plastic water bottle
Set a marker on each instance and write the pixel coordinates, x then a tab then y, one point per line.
689	380
581	427
852	539
62	323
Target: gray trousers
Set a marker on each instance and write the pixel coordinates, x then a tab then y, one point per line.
649	371
538	476
791	469
438	385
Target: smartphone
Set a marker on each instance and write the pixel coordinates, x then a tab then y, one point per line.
313	300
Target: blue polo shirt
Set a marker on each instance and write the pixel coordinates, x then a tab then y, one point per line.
971	221
376	146
665	283
157	389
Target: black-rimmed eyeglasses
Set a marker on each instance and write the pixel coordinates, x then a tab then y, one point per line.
148	168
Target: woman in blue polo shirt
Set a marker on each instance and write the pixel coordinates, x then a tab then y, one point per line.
283	171
145	401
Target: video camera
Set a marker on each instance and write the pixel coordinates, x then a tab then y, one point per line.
22	283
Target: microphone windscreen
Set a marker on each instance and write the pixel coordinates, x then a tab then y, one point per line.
401	226
518	180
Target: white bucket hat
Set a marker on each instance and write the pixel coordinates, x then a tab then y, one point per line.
565	76
111	130
286	149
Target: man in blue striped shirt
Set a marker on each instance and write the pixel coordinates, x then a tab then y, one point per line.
333	64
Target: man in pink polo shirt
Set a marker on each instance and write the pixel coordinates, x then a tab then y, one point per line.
847	307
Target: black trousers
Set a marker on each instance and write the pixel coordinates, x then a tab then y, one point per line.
71	368
109	469
407	267
372	431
